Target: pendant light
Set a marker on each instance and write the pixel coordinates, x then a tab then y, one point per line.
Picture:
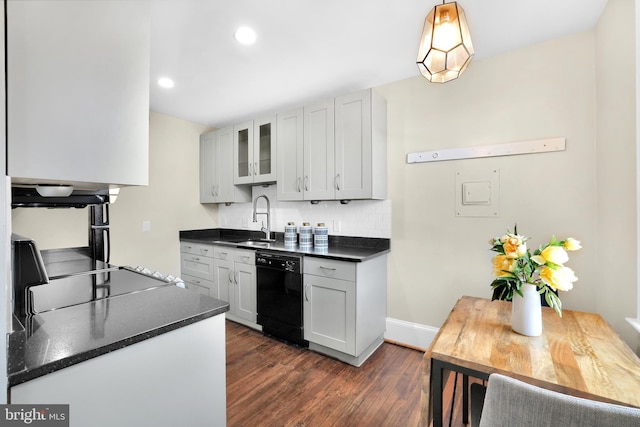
445	47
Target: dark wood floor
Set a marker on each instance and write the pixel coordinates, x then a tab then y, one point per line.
273	384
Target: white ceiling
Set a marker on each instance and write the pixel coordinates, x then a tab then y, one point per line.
310	49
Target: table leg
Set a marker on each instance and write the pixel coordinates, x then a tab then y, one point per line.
465	399
436	392
425	406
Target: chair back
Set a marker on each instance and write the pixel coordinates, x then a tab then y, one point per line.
513	403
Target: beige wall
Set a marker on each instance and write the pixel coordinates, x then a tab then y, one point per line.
587	191
52	228
170	203
543	91
616	166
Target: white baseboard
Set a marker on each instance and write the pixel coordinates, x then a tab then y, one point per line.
410	334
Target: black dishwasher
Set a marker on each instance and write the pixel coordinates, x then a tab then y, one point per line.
279	295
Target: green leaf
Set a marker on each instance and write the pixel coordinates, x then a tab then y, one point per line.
553	301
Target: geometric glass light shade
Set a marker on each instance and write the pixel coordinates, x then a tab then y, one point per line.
445	47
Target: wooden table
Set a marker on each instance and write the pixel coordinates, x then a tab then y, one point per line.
578	354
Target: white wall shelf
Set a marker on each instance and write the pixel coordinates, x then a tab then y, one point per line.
495	150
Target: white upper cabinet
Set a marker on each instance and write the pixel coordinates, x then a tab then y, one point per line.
243	153
361	146
78	91
290	155
254	151
305	150
208	172
319	169
216	172
334	149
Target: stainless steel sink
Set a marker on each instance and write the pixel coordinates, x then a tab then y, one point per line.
248	242
255	243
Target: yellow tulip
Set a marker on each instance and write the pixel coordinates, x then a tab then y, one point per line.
560	279
554	254
502	263
572	244
514	246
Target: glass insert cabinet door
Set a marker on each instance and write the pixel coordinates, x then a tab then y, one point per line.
254	151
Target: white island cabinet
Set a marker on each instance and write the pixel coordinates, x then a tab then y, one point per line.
345	307
78	92
174	379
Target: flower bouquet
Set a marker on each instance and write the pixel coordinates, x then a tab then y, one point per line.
515	265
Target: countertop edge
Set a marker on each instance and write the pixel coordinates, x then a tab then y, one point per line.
33	373
361	248
345	257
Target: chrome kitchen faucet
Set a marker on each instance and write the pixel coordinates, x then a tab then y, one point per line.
266	231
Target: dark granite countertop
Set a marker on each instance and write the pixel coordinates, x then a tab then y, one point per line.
345	248
60	338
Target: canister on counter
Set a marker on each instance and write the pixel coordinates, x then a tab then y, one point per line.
290	235
305	237
321	236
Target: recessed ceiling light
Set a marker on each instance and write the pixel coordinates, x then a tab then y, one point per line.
165	82
245	35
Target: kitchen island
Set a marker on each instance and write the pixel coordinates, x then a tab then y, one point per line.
153	357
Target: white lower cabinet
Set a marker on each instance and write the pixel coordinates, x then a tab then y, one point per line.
196	268
330	313
235	274
198	285
345	305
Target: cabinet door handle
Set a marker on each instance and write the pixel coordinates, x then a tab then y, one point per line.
255	168
197	282
205	250
250	169
196	258
298	182
327	268
231	276
237	273
306	297
337	182
306	183
213	190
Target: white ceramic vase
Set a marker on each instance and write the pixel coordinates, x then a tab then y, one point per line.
526	311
